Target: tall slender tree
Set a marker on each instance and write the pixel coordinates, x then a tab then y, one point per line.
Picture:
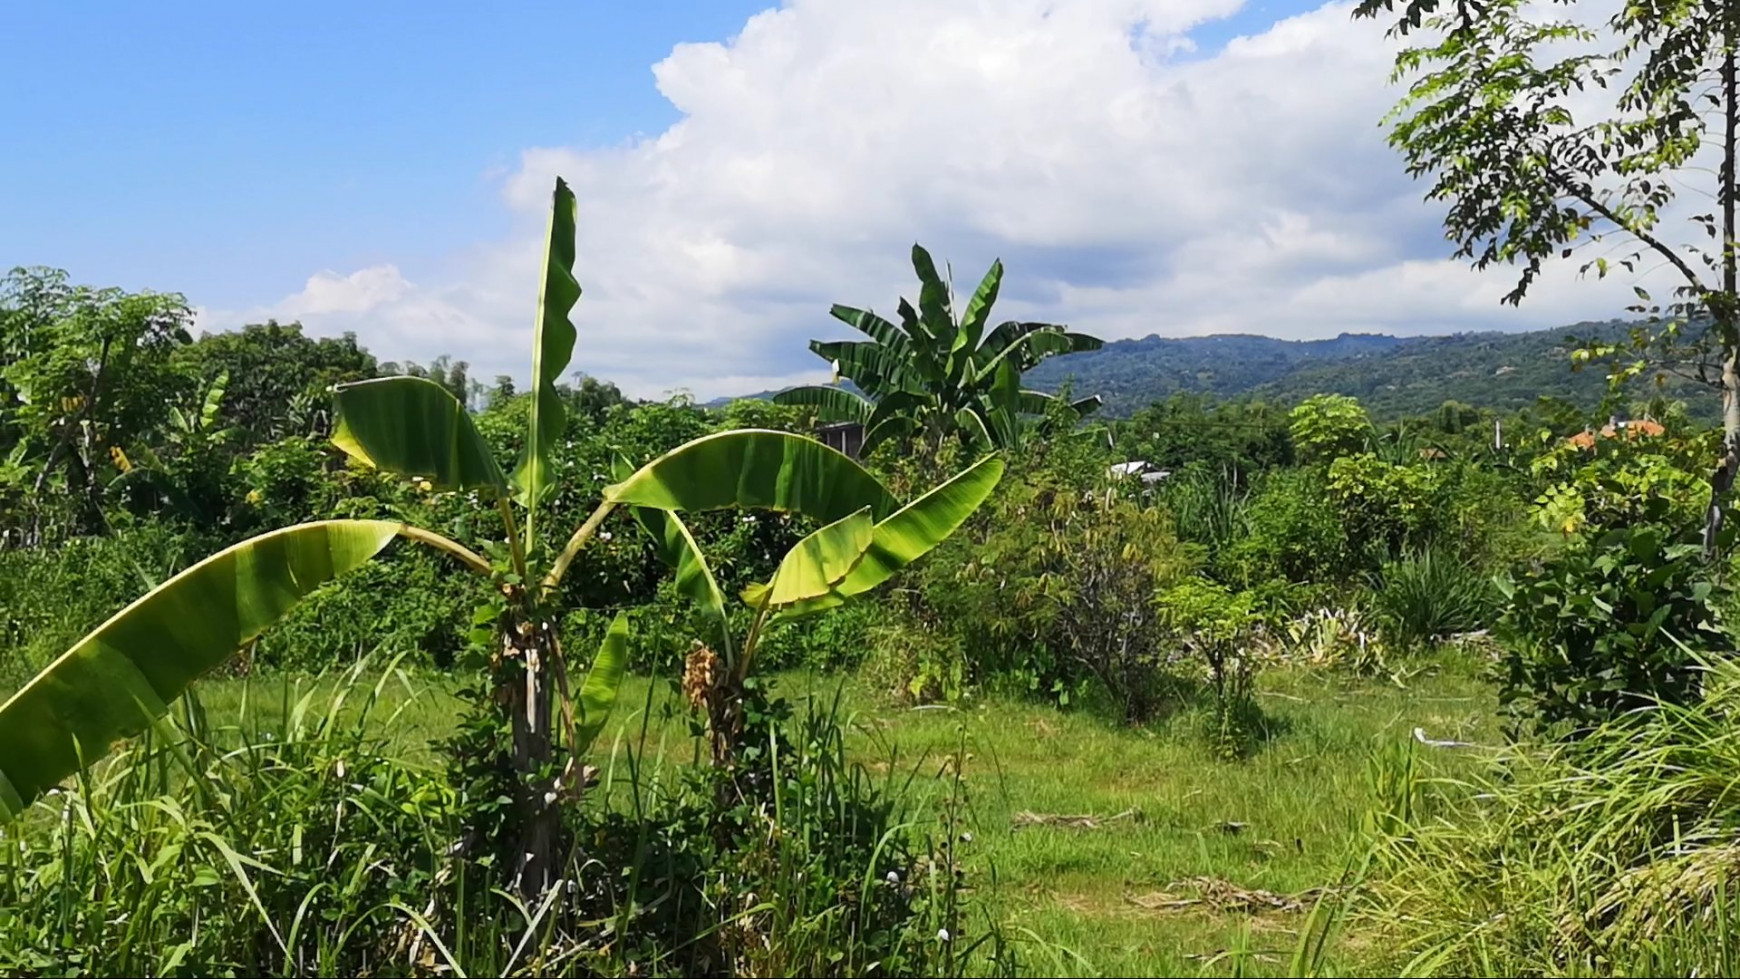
1546	132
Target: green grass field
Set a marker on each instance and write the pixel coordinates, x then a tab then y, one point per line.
1184	864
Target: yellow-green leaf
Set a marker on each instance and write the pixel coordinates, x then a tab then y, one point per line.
415	427
598	693
911	533
114	682
755	469
822	560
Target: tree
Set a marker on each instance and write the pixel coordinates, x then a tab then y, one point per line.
938	375
275	374
83	371
1328	426
1494	118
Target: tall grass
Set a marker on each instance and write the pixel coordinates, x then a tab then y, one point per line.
1428	596
1614	856
293	839
1208	507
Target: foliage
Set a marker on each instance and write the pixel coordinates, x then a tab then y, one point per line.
278	377
1386	508
1238	438
1222	630
938	375
83	372
1427	596
1055	586
1615	622
1294	533
1325	427
1612	856
1335	638
1500	115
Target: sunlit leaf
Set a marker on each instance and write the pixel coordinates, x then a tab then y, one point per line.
415	427
115	681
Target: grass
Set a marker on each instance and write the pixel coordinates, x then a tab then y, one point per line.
1187	854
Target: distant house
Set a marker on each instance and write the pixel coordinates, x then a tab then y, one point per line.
1144	471
843	437
1640	428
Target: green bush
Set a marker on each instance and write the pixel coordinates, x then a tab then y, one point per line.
1052	585
1610	625
1294	534
1428	596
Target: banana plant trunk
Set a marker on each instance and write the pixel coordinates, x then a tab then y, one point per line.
526	695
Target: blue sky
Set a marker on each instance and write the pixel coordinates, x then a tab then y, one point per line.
227	149
378	166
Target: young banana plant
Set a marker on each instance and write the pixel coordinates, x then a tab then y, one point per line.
118	680
848	557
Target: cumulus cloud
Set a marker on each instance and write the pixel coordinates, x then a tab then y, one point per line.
1132	181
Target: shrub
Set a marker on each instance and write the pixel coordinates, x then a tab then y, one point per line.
1428	596
1335	638
1054	584
915	662
1611	625
1221	630
1327	426
1294	534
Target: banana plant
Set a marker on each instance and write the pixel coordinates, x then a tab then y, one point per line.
848	557
118	680
937	374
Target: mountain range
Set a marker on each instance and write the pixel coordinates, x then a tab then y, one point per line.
1392	376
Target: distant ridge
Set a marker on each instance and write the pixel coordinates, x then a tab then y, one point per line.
1393	376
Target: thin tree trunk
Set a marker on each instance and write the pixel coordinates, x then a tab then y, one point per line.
527	699
1724	306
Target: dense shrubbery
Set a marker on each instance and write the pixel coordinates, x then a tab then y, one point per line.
300	846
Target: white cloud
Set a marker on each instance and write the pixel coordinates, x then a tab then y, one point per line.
1131	183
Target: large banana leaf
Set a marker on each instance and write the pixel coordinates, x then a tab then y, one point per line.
755	469
979	310
552	348
817	563
911	533
116	680
1005	336
835	404
871	325
598	693
413	426
1047	343
927	355
678	548
933	300
876	369
814	565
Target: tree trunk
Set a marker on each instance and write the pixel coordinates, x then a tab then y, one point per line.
527	700
1724	306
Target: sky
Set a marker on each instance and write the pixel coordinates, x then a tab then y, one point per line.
1177	167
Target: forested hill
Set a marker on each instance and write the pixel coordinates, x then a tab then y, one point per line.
1393	376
